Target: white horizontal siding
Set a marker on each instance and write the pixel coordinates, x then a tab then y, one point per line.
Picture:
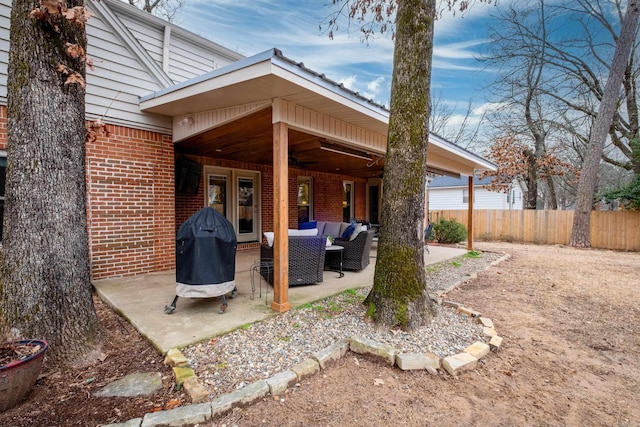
5	22
446	198
452	198
117	81
120	76
150	37
484	199
188	60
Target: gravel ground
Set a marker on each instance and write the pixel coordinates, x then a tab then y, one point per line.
261	350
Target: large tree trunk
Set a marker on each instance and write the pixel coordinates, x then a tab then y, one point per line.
399	295
532	181
46	289
581	232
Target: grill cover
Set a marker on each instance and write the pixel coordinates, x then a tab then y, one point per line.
205	255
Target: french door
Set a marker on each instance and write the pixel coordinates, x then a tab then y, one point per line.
235	193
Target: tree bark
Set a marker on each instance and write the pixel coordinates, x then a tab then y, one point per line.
46	290
581	233
399	294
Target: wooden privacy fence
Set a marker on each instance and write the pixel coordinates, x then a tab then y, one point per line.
609	230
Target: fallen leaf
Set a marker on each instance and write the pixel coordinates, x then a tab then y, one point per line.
173	403
357	362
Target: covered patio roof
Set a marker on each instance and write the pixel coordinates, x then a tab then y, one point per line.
228	113
268	109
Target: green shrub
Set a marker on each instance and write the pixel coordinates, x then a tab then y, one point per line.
449	231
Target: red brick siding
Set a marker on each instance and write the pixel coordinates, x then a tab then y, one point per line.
327	194
130	202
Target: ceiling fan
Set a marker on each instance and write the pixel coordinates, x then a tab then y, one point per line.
293	161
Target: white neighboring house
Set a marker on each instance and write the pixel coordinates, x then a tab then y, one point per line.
447	193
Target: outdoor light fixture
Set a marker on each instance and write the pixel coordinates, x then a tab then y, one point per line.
345	151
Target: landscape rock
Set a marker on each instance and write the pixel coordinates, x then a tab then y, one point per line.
495	343
182	416
306	368
373	348
458	363
332	353
477	349
281	382
138	384
196	391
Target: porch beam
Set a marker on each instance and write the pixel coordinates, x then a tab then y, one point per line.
280	301
470	215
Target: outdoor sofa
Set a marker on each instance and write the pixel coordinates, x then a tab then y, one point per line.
307	250
306	260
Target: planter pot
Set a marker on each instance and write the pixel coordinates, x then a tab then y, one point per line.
18	377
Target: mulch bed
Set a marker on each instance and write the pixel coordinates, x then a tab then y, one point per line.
64	397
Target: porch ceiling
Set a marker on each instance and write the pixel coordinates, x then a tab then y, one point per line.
249	139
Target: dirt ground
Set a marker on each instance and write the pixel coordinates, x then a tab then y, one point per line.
570	320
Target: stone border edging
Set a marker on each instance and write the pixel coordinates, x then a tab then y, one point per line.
277	384
200	412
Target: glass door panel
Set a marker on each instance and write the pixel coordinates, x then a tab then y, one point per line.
347	201
217	193
246	206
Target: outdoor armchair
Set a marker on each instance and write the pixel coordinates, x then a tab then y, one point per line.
306	259
356	252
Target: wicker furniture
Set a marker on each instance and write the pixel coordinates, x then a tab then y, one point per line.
356	252
306	259
335	251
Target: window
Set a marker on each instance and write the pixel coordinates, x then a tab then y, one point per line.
305	199
465	196
347	201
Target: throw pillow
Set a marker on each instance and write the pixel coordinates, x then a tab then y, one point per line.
356	231
308	225
349	230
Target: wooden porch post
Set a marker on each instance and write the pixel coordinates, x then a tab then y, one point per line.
280	301
470	216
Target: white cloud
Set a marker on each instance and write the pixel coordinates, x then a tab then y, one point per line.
374	86
487	107
348	82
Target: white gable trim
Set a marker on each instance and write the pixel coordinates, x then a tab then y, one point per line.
122	32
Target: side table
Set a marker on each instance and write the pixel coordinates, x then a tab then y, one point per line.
258	267
336	250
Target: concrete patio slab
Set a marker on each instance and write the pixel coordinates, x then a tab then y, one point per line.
141	300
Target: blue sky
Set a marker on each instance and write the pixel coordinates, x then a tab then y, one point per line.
253	26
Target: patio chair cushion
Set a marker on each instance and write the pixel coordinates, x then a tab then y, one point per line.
320	226
308	225
347	232
269	234
332	229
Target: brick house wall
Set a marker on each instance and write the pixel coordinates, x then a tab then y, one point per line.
130	202
327	195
